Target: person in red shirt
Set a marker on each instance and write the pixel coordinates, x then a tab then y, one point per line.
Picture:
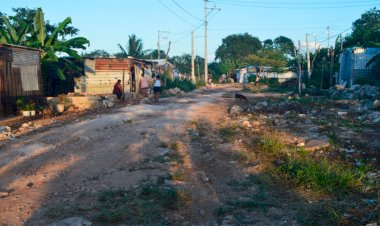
118	89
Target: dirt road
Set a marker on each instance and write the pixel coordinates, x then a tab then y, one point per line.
187	161
53	168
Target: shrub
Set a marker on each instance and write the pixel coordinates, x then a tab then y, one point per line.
364	80
185	85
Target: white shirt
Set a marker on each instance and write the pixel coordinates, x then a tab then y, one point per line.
157	83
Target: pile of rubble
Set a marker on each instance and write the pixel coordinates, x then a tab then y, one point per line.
5	132
174	92
356	92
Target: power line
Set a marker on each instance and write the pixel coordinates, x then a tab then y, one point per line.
296	3
186	10
257	5
174	12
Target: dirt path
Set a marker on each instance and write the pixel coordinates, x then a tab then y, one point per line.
54	167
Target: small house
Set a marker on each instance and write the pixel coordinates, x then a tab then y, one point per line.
353	64
101	74
20	76
242	74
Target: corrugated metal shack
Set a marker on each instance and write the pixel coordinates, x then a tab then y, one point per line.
353	63
100	75
20	76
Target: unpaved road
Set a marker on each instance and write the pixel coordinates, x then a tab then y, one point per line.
54	167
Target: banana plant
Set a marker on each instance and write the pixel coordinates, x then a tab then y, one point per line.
52	45
11	35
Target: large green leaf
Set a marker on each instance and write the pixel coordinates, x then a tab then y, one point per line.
22	34
12	31
60	74
39	26
69	51
60	27
77	43
4	36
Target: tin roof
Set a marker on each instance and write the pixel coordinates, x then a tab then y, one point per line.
21	47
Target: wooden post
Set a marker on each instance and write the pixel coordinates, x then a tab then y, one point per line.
323	66
123	97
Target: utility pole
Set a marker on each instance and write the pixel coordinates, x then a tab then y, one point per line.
315	42
158	42
206	53
328	41
206	60
158	45
308	56
332	67
192	59
322	76
297	54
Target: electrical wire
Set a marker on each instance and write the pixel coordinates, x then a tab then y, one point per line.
297	3
188	13
256	5
179	17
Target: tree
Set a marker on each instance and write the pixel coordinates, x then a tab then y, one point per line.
153	53
182	63
237	46
365	30
134	48
268	44
284	44
97	53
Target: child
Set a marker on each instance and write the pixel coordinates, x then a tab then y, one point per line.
157	88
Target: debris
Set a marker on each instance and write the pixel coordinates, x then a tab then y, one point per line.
235	109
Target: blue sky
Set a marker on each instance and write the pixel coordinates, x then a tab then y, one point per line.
109	22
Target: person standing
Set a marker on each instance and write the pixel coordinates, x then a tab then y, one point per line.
157	88
144	85
118	89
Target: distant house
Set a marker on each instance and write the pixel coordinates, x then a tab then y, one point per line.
100	74
242	74
20	76
353	64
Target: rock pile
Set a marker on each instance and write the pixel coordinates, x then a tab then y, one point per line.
356	92
174	92
5	132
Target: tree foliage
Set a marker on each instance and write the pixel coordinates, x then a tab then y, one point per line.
237	47
29	28
97	53
134	48
284	44
365	30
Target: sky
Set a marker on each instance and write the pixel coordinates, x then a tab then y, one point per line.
107	23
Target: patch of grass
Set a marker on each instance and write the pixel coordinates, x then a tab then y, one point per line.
144	206
175	157
271	144
321	174
245	156
229	132
167	197
249	205
223	210
60	211
178	175
163	145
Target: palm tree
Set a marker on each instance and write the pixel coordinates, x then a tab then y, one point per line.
134	47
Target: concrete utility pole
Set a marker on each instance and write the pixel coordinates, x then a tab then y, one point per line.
158	43
206	60
299	68
206	53
308	56
328	40
192	59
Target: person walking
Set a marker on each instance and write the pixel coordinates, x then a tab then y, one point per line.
144	85
118	89
157	88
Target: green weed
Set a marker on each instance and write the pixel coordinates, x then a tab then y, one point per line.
229	132
321	174
271	144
